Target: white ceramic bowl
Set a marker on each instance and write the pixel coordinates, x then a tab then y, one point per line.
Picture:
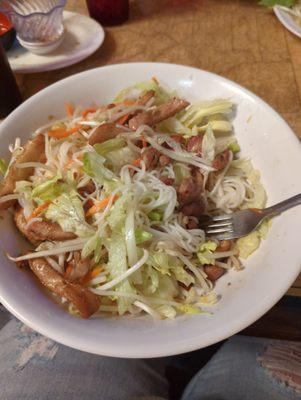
264	137
41	48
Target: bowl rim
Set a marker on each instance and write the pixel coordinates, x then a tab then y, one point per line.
6	11
185	344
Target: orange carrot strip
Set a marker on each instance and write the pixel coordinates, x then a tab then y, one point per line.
62	133
128	102
144	141
155	80
137	162
91	274
100	205
87	111
39	210
69	269
69	109
124	119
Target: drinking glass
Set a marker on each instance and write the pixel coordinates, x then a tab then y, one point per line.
109	12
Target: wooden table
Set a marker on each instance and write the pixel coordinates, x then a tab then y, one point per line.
234	38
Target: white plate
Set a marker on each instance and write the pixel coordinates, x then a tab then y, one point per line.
287	20
264	137
83	36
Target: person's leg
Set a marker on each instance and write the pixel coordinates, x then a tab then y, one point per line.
33	367
248	368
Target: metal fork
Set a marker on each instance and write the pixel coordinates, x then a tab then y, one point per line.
241	223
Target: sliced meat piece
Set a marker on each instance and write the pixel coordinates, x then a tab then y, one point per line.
158	114
178	138
194	209
188	191
221	160
194	144
79	267
47	230
34	150
40	231
164	160
85	302
213	272
144	99
87	189
105	132
198	177
192	223
166	180
151	157
21	225
224	245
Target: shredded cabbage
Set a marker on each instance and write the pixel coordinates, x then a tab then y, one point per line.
68	212
196	113
205	252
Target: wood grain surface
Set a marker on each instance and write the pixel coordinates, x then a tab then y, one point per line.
234	38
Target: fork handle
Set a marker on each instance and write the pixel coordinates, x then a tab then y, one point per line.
283	206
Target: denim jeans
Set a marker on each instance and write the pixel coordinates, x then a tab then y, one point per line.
33	367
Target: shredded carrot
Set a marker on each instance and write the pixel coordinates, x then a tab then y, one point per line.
153	78
69	269
88	111
128	102
39	210
69	109
91	274
100	205
62	133
124	119
144	142
137	162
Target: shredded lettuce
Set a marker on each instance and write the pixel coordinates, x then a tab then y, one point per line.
117	265
160	261
155	216
49	189
248	244
170	265
196	113
120	157
259	198
150	280
117	216
109	145
68	212
93	245
3	166
189	309
167	311
94	167
209	299
217	126
167	288
133	92
142	236
174	125
181	172
234	147
205	252
208	144
182	275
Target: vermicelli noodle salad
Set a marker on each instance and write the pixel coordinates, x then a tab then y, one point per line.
110	198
